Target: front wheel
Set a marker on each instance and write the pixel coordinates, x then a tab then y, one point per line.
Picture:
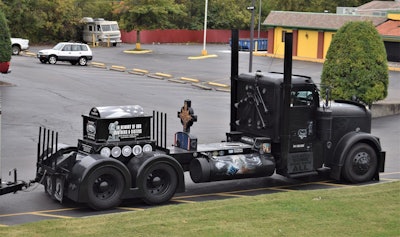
52	59
16	49
82	61
104	188
360	164
159	183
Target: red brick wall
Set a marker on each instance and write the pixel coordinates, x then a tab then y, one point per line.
185	36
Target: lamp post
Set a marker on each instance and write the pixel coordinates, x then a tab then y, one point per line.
251	8
204	51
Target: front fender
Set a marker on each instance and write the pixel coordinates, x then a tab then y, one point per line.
82	169
346	143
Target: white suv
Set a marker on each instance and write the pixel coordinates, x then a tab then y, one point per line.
71	52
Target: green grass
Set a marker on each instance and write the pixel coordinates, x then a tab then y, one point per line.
372	210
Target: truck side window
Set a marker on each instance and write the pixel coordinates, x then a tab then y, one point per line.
302	98
90	28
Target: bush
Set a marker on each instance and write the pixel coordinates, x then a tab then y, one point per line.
356	64
5	41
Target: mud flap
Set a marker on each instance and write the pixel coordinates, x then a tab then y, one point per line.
54	187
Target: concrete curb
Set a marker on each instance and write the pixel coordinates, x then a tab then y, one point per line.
385	109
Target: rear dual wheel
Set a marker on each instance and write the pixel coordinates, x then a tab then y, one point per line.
159	183
104	188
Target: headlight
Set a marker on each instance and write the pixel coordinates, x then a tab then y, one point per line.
136	150
105	151
116	151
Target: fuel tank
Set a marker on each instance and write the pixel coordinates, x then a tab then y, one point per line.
231	167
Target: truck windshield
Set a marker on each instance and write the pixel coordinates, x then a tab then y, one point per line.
113	27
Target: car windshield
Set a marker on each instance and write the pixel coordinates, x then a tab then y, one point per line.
59	46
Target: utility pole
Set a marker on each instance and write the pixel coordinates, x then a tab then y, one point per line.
251	8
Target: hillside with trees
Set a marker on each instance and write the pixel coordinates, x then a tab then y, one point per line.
44	21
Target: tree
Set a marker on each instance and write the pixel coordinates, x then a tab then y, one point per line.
149	14
5	41
356	64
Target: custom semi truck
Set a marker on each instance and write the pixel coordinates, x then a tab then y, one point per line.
278	124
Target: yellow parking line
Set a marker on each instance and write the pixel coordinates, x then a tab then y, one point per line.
33	213
183	201
230	195
131	209
333	184
49	215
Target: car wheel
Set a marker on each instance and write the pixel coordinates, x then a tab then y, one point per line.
82	61
16	49
52	59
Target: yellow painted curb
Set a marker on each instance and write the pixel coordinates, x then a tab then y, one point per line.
30	54
217	84
118	68
205	56
140	70
137	51
163	75
100	65
396	69
189	79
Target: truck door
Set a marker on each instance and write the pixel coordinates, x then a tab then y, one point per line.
303	105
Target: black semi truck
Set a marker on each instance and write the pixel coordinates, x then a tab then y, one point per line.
278	124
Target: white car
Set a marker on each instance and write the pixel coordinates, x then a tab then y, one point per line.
66	51
19	44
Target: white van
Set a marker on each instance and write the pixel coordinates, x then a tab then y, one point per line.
100	30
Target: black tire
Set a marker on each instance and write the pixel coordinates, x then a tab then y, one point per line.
43	60
360	164
52	59
104	188
16	50
159	183
73	62
82	61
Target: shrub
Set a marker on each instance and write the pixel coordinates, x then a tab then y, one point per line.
5	41
356	64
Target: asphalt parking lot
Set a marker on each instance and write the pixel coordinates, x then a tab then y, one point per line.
56	95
